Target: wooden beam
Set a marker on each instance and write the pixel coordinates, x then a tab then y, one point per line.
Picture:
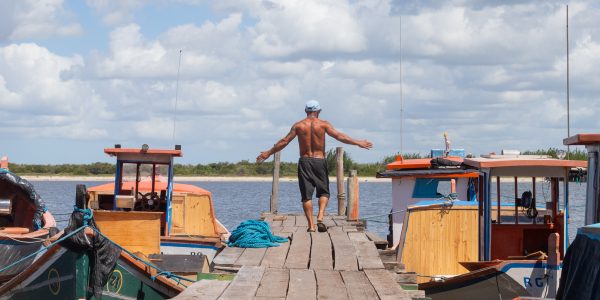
330	285
274	283
302	285
245	283
204	289
358	285
343	251
320	253
339	152
299	253
275	185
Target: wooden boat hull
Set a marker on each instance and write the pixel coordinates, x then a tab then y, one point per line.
64	274
506	280
14	247
190	246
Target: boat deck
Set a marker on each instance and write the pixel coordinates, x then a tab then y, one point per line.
342	263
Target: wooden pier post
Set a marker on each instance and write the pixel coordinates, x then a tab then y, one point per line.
275	186
339	153
353	196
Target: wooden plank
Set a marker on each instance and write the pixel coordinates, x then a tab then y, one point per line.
321	253
340	222
368	256
385	285
204	289
299	253
274	283
301	221
380	242
302	285
275	256
288	229
328	222
228	256
344	252
181	262
276	223
245	283
251	257
358	285
124	229
358	237
350	228
330	285
289	221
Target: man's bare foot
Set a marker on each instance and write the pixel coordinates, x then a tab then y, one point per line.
310	230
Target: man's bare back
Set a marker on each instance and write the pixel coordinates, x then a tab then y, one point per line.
312	166
311	138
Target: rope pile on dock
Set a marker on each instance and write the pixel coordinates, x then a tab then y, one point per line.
254	234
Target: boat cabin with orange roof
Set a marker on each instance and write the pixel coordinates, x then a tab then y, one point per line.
143	201
481	226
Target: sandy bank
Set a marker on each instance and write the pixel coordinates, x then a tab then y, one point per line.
188	178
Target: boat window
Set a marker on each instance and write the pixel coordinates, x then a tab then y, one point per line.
431	188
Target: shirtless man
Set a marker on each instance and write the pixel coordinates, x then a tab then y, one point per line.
312	166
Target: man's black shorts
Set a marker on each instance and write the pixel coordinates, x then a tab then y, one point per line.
313	173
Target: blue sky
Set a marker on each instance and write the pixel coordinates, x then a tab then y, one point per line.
78	76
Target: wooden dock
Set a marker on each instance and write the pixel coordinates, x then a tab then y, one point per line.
342	263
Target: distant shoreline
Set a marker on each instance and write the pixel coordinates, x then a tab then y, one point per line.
191	178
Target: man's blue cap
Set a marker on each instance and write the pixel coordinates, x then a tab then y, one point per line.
312	105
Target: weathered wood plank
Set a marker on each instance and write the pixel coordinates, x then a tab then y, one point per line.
345	255
288	229
245	283
366	249
358	285
274	283
320	254
301	221
228	256
276	223
204	289
349	228
385	285
251	257
275	256
358	237
328	222
330	285
380	242
302	285
289	221
299	253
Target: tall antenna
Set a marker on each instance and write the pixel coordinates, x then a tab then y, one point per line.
176	96
401	100
568	90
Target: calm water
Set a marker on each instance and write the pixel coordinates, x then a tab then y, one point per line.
238	201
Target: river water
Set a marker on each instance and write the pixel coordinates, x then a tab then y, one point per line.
238	201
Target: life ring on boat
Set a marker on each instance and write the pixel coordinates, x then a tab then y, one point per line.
150	201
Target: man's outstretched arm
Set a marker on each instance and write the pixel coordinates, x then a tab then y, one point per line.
344	138
278	146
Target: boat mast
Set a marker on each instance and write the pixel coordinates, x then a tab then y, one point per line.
568	91
401	100
176	96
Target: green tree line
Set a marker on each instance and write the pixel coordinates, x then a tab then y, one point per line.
242	168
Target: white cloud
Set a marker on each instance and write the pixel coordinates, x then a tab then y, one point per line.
27	19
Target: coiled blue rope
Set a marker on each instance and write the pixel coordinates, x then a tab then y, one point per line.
87	214
254	234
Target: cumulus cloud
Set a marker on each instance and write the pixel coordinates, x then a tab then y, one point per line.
26	19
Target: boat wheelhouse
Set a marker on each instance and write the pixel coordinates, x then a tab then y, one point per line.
481	226
144	198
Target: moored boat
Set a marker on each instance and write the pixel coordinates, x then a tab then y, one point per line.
450	213
82	263
144	194
25	222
